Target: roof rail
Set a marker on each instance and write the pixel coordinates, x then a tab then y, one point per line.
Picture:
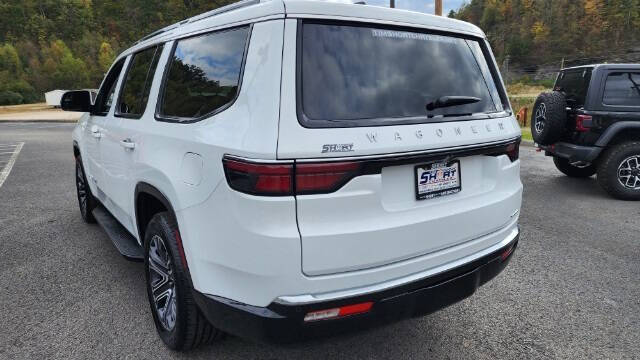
208	14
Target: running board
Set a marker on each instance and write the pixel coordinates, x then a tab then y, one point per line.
126	244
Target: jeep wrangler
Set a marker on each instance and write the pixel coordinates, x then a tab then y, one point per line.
590	124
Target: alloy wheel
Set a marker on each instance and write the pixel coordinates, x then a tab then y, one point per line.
629	172
81	187
540	118
162	282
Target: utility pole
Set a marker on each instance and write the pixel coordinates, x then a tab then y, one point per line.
439	7
393	4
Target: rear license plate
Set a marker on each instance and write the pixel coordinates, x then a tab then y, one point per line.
437	179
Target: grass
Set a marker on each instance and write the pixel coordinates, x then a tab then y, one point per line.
523	95
526	134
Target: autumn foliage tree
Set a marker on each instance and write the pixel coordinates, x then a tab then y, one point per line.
542	32
54	44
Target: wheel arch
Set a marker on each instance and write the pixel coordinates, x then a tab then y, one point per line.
620	132
76	149
149	201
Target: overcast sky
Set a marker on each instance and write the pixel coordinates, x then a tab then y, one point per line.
420	5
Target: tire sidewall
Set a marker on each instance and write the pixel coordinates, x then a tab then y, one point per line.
162	226
566	168
555	120
608	171
86	211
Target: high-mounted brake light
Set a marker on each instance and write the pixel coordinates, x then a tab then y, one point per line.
584	123
338	312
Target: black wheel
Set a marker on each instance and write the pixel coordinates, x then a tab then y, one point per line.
574	171
178	320
86	201
549	118
619	171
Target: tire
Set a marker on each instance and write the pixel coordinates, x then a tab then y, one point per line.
549	118
574	171
619	171
86	201
182	326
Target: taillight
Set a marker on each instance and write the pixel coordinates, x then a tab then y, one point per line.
317	178
513	150
258	178
584	123
270	179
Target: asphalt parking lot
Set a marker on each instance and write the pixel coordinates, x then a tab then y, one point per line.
571	291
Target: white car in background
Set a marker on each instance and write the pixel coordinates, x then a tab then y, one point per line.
288	169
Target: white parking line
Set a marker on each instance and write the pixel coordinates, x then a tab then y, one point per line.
4	173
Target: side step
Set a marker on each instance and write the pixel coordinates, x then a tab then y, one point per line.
126	244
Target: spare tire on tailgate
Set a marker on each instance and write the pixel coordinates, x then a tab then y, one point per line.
549	118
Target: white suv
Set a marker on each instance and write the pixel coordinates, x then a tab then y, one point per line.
291	168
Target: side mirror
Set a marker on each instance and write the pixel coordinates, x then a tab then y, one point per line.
80	100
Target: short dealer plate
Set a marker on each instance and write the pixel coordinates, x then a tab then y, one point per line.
437	179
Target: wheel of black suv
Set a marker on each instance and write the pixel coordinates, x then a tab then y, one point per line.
549	118
619	171
178	320
86	201
574	171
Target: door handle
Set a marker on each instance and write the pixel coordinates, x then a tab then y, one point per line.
128	144
95	132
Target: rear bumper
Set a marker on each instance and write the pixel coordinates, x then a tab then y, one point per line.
282	323
573	153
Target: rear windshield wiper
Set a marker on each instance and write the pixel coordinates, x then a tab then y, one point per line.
447	101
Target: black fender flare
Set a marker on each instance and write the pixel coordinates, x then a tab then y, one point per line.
145	188
613	130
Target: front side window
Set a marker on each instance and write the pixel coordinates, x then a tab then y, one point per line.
104	100
137	84
204	75
622	89
359	75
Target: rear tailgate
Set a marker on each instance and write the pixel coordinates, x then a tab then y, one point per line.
376	218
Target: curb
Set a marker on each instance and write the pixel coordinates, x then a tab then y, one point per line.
528	143
6	121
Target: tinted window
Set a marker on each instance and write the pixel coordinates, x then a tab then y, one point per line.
137	85
204	74
622	89
108	89
574	84
353	73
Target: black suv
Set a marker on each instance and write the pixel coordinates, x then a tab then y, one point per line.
590	123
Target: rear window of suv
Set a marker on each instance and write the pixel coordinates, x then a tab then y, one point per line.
353	75
204	75
622	89
574	84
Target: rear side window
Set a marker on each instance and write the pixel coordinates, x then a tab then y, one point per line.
354	75
622	89
575	85
204	75
104	100
137	85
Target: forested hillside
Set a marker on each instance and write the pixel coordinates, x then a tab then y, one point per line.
536	34
68	44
